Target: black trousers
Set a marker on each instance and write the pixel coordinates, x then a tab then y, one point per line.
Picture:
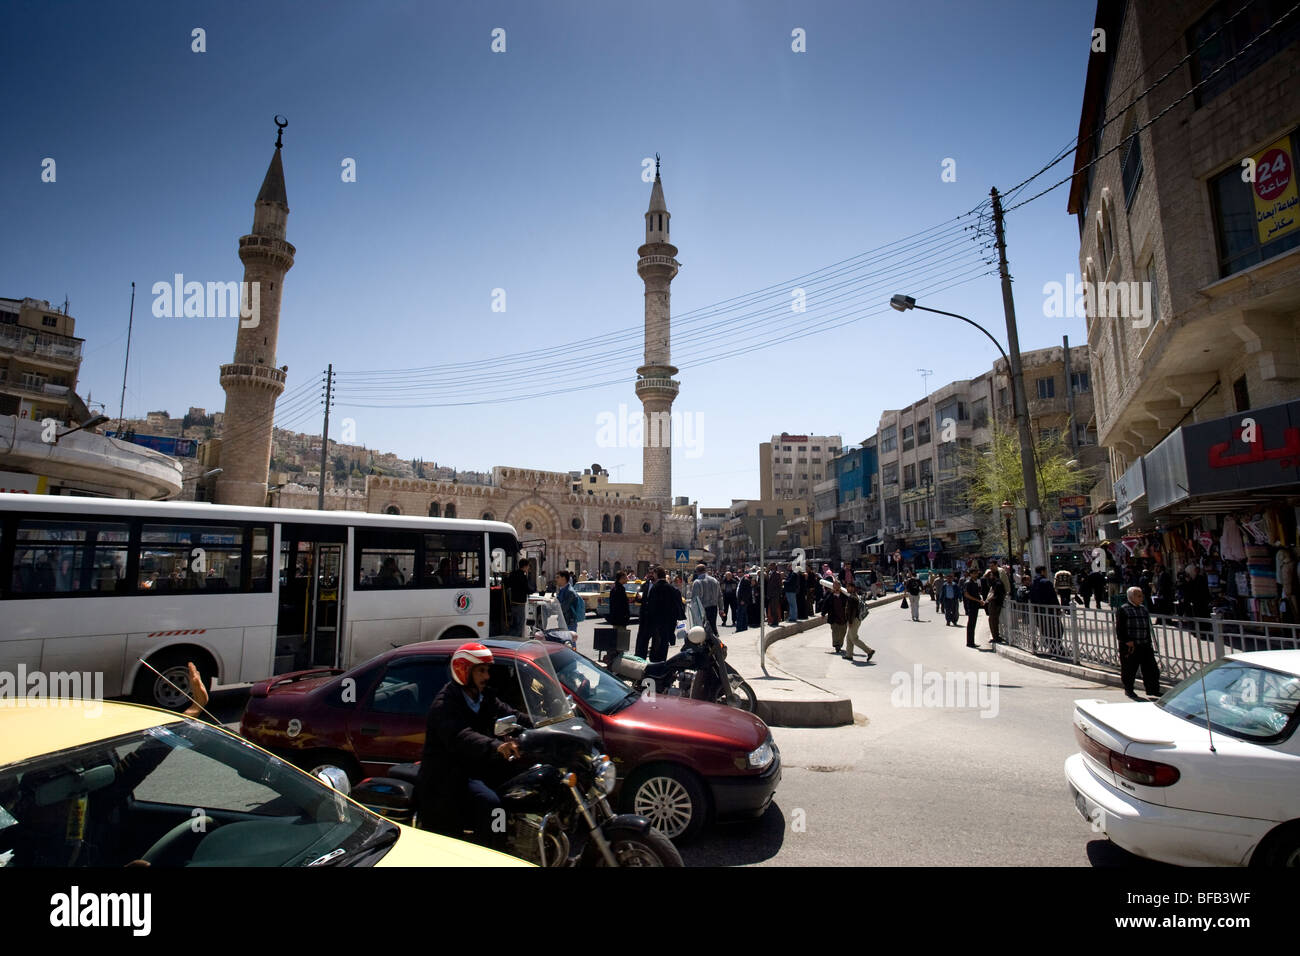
1144	657
994	611
972	619
950	611
711	619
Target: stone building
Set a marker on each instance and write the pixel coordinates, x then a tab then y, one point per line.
558	528
1193	272
790	465
40	360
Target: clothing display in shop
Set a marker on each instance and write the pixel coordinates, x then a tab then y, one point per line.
1231	547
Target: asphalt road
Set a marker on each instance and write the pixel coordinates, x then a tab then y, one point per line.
919	785
906	784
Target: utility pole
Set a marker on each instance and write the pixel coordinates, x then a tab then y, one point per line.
325	436
1037	551
1069	394
130	320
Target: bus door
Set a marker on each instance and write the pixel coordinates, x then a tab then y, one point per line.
312	566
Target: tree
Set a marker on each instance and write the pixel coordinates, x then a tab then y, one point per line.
995	475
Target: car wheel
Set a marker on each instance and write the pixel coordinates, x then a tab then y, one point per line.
156	692
1281	847
671	798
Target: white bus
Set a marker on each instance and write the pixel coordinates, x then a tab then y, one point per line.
95	584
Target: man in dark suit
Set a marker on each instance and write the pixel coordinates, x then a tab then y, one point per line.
659	616
462	760
973	599
1042	593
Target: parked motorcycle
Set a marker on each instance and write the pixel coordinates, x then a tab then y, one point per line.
699	671
557	811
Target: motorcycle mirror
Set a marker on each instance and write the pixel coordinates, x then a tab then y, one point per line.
505	725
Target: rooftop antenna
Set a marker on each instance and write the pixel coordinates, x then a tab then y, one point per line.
925	379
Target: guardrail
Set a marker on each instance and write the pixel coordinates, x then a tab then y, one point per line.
1183	645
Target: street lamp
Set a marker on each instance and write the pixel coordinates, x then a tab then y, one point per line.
1028	466
93	423
600	567
927	481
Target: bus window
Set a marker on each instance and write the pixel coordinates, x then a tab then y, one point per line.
178	558
453	559
261	579
69	557
385	559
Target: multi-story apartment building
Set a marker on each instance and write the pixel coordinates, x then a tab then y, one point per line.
1189	222
789	465
40	360
1168	217
848	504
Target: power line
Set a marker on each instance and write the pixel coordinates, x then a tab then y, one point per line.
1097	133
1159	115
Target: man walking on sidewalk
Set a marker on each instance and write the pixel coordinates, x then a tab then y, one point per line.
708	592
997	594
1133	631
974	600
950	594
836	611
857	613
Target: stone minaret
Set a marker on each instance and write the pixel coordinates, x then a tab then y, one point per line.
655	385
252	381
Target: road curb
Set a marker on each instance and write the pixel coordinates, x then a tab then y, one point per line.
1058	667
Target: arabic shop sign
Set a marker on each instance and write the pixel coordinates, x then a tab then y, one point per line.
1251	450
1277	205
1130	489
1073	506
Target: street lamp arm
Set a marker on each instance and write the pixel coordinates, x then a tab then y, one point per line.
954	315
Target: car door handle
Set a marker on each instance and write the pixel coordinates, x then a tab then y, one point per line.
369	730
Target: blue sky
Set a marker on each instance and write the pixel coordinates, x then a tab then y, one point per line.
522	171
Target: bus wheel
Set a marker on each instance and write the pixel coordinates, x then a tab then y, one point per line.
153	690
459	634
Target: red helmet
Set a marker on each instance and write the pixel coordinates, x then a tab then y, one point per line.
467	656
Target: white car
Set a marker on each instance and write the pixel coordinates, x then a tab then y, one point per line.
1162	784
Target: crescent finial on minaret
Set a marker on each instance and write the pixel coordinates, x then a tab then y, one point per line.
279	129
656	165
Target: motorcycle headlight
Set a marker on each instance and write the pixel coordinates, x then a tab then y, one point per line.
606	775
761	757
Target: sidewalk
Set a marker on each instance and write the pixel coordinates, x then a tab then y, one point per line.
785	699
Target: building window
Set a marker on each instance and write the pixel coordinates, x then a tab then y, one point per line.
391	510
576	524
893	514
1048	435
1236	225
1131	166
796	511
618	524
909	477
1079	382
1084	434
435	511
1247	28
50	321
1241	394
979	413
1004	398
450	511
927	469
889	438
909	438
923	431
816	447
889	473
1046	387
604	524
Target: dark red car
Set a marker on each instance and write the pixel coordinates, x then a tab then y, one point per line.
680	762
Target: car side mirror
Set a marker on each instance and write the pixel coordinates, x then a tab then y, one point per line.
505	725
333	777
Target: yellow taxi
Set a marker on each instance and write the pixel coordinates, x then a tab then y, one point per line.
100	783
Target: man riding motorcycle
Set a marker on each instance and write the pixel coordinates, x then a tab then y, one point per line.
462	759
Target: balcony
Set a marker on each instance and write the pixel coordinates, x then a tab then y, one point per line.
62	349
267	376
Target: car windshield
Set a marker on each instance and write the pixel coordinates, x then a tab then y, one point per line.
595	686
182	794
1243	700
